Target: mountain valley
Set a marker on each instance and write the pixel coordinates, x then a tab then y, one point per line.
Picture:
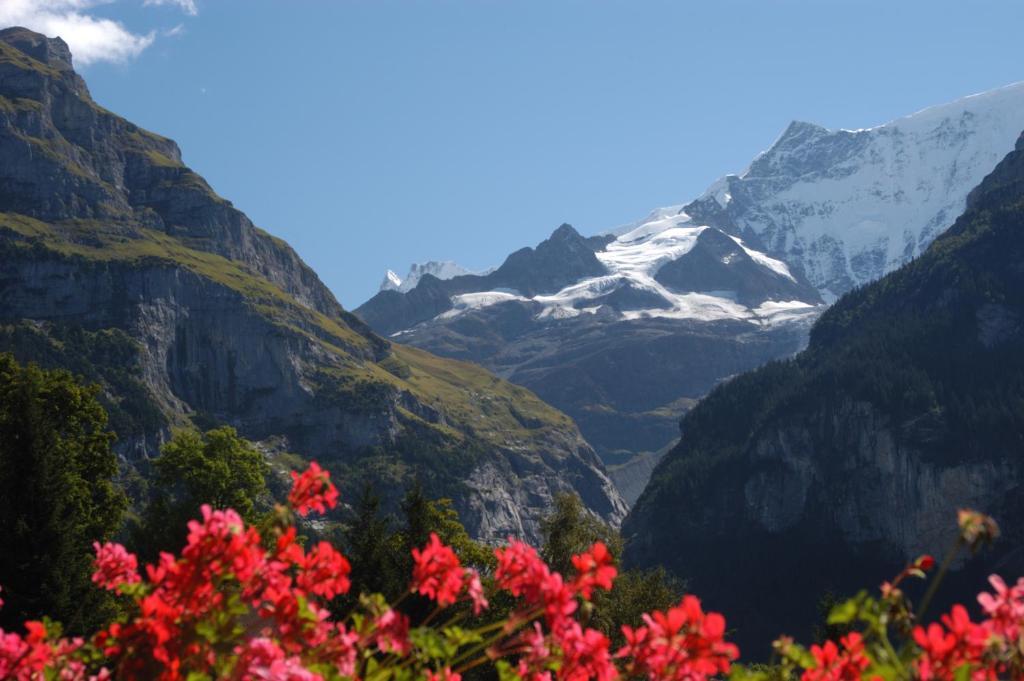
626	330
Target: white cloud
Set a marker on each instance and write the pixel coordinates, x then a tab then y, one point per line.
91	39
187	6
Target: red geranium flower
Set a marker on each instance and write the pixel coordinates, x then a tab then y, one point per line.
324	572
312	491
436	572
684	644
585	654
595	569
520	570
833	664
944	651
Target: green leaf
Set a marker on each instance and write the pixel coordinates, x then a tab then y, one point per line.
506	672
800	656
963	673
459	637
741	673
432	644
845	612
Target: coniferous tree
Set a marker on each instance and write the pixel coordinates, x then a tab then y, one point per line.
373	551
569	530
56	496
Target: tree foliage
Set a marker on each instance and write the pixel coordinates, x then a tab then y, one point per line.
380	547
56	495
570	530
218	468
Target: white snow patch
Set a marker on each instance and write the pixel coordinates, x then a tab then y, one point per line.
392	282
778	312
474	301
760	258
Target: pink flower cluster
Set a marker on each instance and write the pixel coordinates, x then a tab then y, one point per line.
992	648
114	566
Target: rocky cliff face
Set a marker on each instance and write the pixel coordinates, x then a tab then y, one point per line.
825	474
119	261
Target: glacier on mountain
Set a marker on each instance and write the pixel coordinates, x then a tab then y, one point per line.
632	262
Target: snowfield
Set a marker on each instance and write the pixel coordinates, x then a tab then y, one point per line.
632	261
845	207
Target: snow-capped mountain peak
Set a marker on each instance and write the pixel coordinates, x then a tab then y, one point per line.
668	268
832	208
442	269
392	282
843	207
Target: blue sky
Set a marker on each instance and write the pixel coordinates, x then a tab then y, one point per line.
374	133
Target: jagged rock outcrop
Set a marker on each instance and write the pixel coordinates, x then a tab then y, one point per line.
117	260
560	260
827	473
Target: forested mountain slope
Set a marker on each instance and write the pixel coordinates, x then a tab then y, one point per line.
828	471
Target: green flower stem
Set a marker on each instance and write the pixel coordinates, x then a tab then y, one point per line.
947	562
484	645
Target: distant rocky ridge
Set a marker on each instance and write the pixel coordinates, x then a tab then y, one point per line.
120	263
444	269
